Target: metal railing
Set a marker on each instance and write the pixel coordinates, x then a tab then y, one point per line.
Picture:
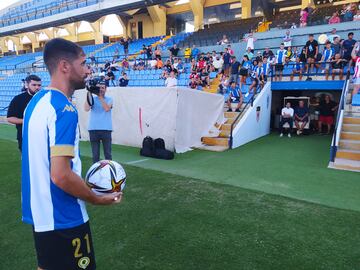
340	114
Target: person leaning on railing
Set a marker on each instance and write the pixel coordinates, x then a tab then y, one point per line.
356	58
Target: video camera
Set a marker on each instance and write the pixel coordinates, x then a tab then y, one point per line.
92	85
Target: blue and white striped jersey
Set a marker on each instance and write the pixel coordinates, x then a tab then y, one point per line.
50	129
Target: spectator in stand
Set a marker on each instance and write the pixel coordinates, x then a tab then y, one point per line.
301	117
337	66
304	14
227	61
347	48
297	69
193	84
180	66
249	53
201	64
231	51
336	45
171	81
357	16
333	35
235	65
187	54
268	53
327	110
279	62
244	70
124	80
205	78
356	59
224	40
109	77
125	43
153	63
327	56
195	52
289	55
311	53
125	64
254	75
159	64
149	52
250	41
287	116
107	65
334	18
266	68
287	39
174	51
157	52
218	63
293	26
224	84
348	16
261	73
235	95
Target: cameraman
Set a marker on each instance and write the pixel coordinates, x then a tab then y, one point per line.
100	121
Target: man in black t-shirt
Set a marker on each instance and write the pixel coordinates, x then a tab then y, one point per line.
235	66
174	51
311	53
18	104
327	111
124	80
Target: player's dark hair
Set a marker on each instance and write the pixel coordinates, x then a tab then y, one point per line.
60	49
32	78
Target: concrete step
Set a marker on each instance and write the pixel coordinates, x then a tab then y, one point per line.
216	141
348	154
351	120
224	134
214	148
351	127
345	164
231	114
225	127
349	144
350	136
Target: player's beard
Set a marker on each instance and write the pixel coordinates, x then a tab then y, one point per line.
77	82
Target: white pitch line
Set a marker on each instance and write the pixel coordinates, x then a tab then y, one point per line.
137	161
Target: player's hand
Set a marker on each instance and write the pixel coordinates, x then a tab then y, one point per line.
108	199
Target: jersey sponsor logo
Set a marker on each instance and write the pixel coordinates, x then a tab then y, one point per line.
84	262
68	108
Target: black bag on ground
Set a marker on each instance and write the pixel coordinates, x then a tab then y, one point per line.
148	147
160	150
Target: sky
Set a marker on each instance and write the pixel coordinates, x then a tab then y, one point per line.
6	3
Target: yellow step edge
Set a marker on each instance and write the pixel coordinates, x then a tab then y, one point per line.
350	136
348	155
215	141
351	120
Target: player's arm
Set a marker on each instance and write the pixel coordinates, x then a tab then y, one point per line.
14	120
63	177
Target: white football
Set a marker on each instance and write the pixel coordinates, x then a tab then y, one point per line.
106	176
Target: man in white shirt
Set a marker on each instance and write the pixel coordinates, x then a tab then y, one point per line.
171	81
287	39
287	116
250	41
333	35
218	63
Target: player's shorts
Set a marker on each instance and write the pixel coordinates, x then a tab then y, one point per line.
356	80
67	249
279	67
326	119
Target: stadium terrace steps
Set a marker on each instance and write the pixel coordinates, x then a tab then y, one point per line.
101	49
348	152
345	164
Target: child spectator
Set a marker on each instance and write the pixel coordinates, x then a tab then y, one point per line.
337	66
254	75
244	70
279	62
287	39
328	55
297	69
124	80
334	18
234	96
311	53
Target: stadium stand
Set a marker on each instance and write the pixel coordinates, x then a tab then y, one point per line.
39	9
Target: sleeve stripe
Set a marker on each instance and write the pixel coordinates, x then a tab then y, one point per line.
62	151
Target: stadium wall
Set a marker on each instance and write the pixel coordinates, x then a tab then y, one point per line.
256	121
180	116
